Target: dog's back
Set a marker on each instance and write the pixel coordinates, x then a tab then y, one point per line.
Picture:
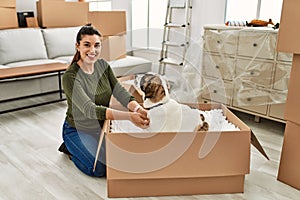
173	117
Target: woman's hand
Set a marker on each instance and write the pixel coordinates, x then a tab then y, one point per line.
140	118
143	111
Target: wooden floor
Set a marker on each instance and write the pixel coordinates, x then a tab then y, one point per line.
32	168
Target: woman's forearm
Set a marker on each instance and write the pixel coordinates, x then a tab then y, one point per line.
133	106
139	119
112	114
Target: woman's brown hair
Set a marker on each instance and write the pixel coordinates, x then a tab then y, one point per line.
87	29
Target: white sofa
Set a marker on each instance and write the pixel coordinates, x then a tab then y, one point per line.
35	46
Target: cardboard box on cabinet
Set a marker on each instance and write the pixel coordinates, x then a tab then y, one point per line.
8	18
113	47
289	172
61	14
288	33
109	22
169	163
8	3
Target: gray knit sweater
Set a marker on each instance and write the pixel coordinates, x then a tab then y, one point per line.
88	95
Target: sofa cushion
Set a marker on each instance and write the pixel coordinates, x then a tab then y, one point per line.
21	44
3	67
67	59
60	41
130	65
34	62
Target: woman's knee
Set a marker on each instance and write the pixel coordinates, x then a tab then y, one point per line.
88	168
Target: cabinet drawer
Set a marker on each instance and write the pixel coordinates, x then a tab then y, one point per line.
256	44
277	105
218	66
216	90
254	72
287	57
277	110
223	42
251	99
282	76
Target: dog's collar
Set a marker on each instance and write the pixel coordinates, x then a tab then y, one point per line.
148	104
157	105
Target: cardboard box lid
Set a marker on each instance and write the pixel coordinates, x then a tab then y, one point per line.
109	22
176	155
288	34
292	108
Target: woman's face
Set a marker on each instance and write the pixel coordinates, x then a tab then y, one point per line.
89	48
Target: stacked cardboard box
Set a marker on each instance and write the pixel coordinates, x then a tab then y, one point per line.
8	14
289	41
112	25
58	13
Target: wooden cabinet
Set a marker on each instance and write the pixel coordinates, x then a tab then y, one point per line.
241	68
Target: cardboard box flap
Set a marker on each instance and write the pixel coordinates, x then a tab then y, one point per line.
257	145
231	117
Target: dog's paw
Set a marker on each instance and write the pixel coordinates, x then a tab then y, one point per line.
203	127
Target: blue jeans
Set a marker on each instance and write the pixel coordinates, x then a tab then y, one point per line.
83	147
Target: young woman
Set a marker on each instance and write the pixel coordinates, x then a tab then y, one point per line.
89	83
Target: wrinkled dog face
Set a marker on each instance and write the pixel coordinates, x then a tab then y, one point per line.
152	86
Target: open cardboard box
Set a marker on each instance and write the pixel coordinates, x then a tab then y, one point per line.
170	163
183	163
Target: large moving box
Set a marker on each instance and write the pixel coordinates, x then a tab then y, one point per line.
61	14
289	41
290	162
113	47
8	18
155	164
8	3
109	22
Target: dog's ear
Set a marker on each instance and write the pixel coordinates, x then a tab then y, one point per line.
146	80
143	82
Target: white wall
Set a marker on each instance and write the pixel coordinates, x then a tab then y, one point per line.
206	12
203	12
26	5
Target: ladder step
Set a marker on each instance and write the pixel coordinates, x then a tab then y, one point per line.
173	25
174	44
170	61
177	3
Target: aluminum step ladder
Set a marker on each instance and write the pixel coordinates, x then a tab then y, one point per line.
176	37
